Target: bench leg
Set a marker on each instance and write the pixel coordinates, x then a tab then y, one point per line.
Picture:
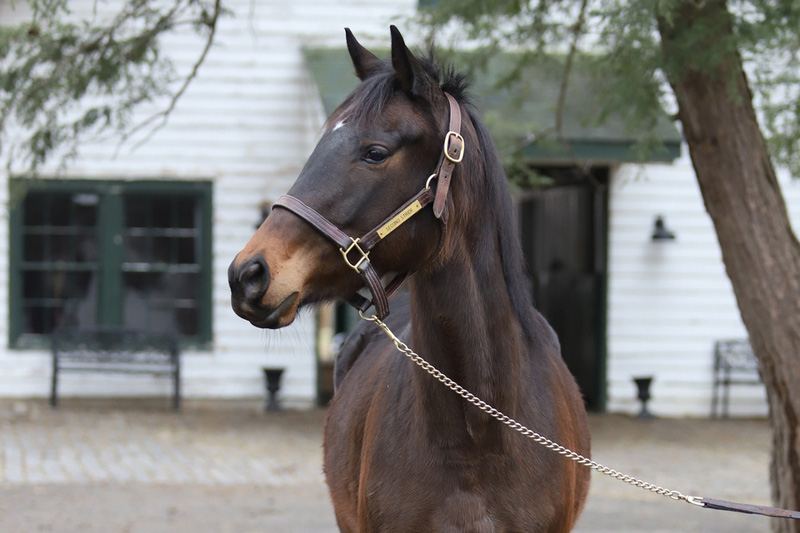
726	396
53	386
176	395
714	399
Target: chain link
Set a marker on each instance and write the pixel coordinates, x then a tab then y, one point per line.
513	424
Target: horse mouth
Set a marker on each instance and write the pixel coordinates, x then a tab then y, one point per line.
281	316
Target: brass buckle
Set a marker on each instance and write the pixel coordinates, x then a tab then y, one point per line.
450	135
345	253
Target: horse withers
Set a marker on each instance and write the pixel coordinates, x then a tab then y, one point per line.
403	453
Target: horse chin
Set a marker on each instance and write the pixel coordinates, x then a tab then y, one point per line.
280	316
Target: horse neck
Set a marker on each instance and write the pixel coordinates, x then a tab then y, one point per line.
464	322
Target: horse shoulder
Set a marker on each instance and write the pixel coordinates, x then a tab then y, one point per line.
560	414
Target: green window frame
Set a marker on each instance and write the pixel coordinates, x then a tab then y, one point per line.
117	253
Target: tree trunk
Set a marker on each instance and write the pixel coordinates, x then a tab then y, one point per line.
744	200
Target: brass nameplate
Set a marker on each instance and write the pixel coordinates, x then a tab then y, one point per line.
401	217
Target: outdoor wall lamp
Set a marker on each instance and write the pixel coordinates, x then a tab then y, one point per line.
660	231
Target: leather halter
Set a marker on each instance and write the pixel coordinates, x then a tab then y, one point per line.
356	251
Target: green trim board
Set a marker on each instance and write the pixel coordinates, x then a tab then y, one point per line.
517	110
85	252
110	230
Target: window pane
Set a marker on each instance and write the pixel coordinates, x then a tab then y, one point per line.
37	284
137	212
185	288
185	212
139	311
161	211
59	210
54	299
39	319
161	272
58	267
137	249
61	247
162	301
187	321
162	250
34	248
85	210
86	247
35	209
187	250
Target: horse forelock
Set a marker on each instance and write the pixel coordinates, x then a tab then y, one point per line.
366	102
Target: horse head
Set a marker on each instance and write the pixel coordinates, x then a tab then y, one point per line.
378	149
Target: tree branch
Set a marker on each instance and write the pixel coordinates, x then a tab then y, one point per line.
64	80
164	114
577	31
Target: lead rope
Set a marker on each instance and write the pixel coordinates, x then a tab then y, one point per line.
566	452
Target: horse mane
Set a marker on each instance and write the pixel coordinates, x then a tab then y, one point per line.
512	258
367	102
496	192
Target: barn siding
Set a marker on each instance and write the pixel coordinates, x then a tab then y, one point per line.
668	302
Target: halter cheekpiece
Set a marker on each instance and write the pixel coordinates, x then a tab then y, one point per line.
355	251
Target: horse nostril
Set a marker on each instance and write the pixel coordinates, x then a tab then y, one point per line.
250	271
250	280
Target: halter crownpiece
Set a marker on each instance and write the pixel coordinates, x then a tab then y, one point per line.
452	153
355	251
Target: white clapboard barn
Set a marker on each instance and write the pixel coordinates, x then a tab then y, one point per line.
143	237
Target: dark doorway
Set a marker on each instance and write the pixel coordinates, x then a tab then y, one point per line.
564	232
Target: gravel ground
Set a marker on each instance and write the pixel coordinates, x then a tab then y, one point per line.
228	467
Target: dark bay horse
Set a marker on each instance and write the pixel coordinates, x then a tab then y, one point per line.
402	452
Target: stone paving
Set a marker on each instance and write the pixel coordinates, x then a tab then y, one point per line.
234	445
137	467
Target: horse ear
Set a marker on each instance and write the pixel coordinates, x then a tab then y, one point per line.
412	77
364	61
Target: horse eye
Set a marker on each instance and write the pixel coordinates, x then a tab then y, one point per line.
375	155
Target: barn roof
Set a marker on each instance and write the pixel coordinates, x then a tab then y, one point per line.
521	113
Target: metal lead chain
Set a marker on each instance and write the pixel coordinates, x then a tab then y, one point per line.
513	424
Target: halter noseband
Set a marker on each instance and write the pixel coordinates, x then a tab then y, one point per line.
356	251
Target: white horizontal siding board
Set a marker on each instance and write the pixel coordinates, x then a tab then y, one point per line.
672	290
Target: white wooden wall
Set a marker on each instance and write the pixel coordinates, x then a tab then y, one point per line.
669	301
247	124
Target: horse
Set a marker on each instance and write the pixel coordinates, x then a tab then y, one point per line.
405	162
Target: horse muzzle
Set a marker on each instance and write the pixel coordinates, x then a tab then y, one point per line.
249	282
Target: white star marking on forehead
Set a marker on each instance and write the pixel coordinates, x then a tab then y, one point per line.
339	124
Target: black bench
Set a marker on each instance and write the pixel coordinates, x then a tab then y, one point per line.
734	364
116	350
